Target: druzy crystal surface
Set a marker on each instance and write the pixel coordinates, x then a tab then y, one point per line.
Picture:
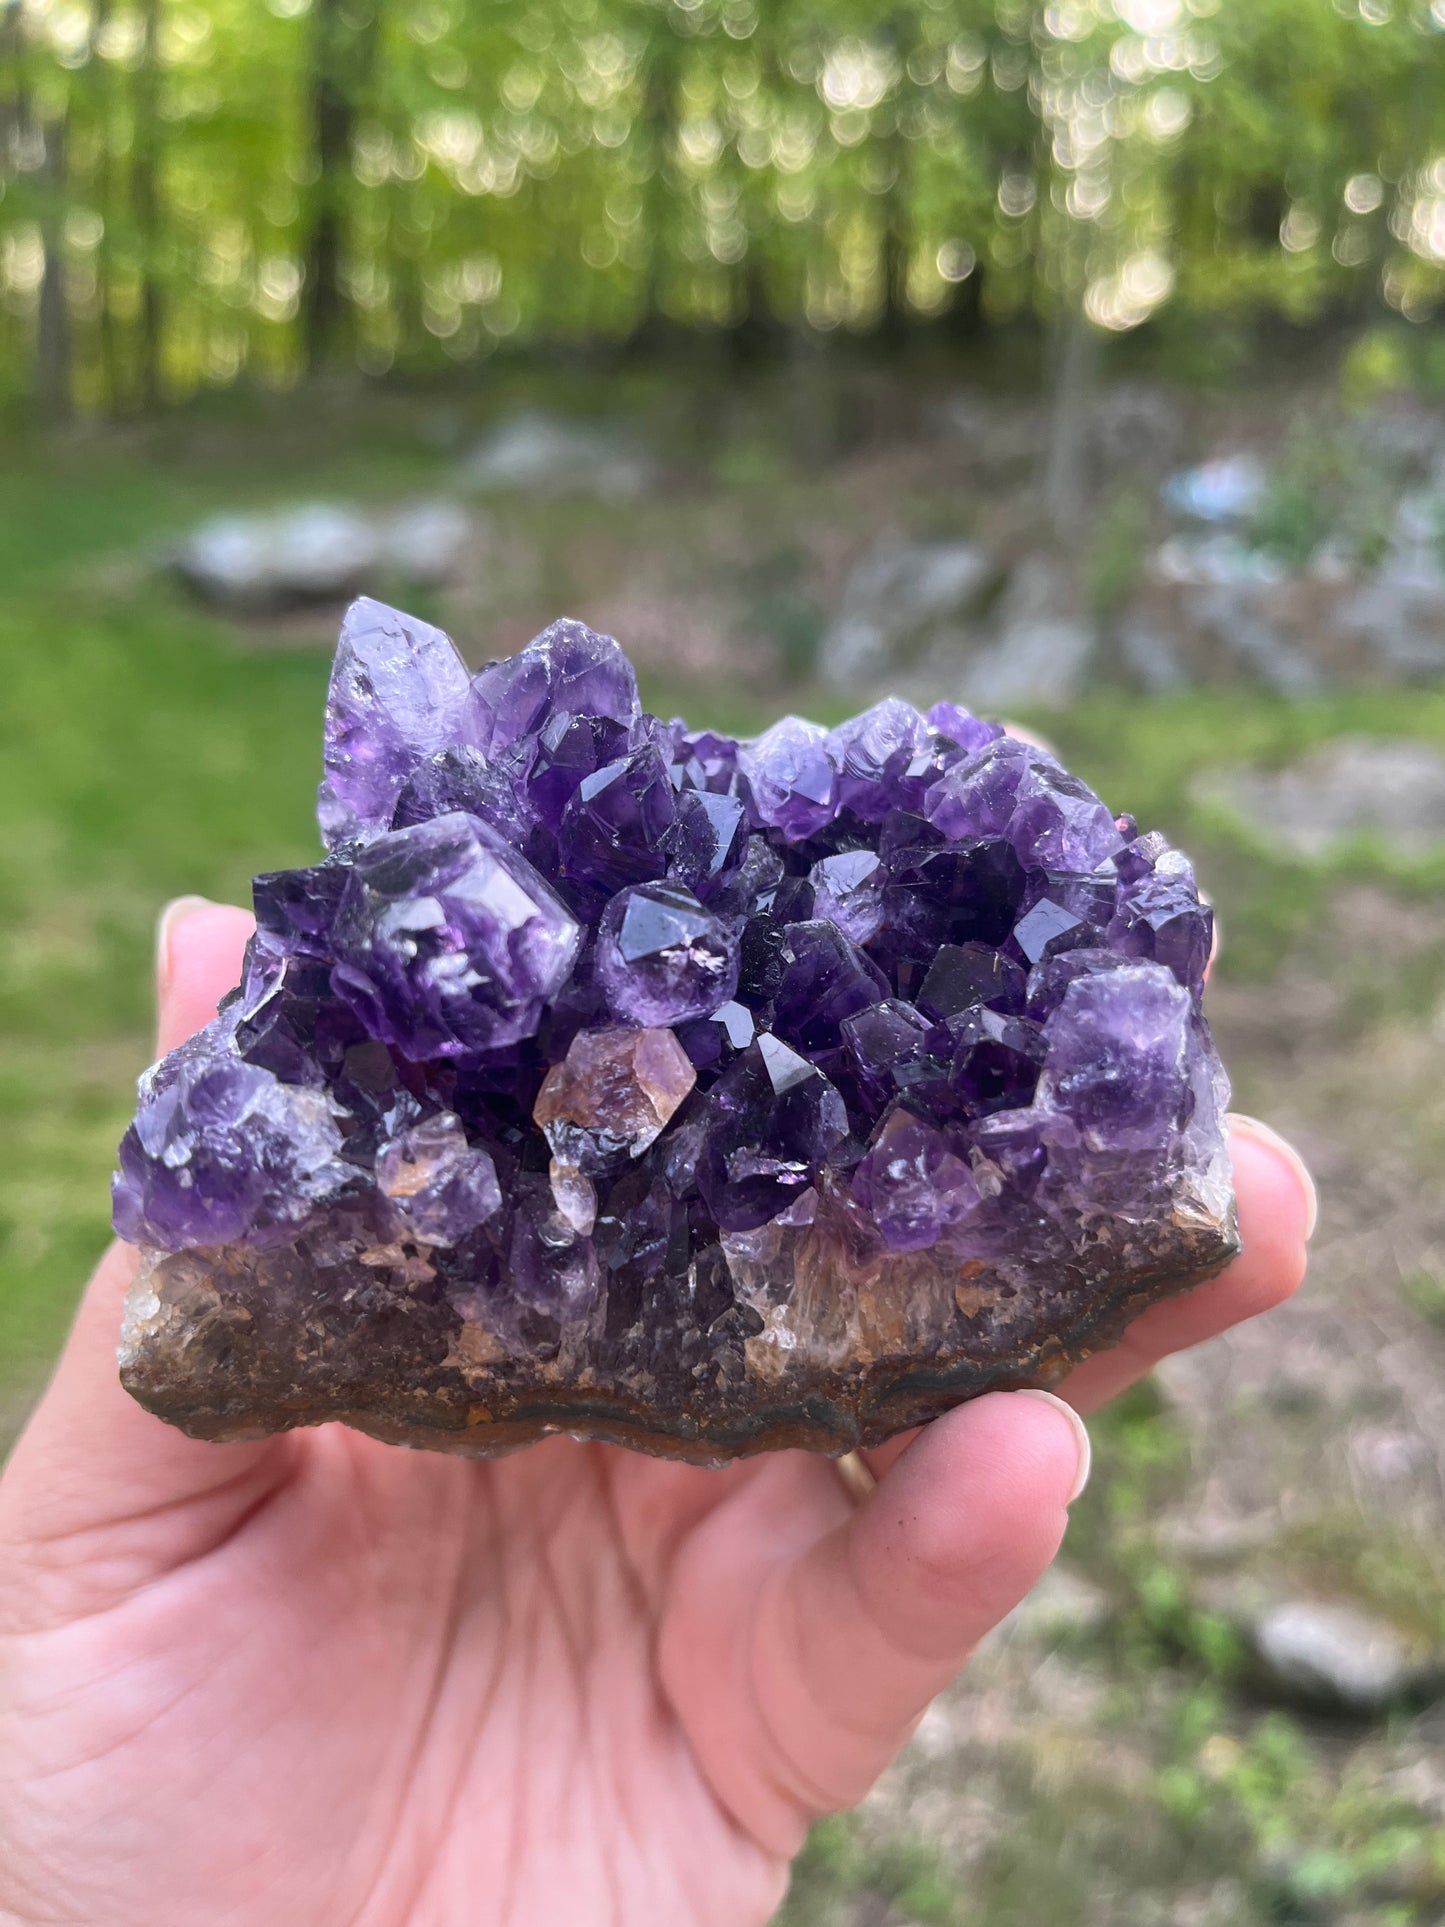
706	1096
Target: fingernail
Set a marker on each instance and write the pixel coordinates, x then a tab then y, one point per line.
1266	1134
169	921
1081	1436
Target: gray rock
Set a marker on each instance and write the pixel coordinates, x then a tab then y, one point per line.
426	541
1213	561
308	552
1399	614
1042	650
1333	1656
319	552
1151	658
1355	785
540	454
1233	616
896	595
1136	424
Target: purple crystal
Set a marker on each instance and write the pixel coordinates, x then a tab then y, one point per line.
848	892
222	1150
567	750
996	1060
951	893
618	1079
614	828
825	979
887	1042
957	725
1016	791
1049	979
568	668
913	1183
708	841
714	1041
438	1186
1162	920
1117	1063
399	693
662	958
883	759
964	974
792	779
773	1121
447	941
463	779
707	761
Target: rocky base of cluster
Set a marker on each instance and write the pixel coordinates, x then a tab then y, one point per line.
817	1345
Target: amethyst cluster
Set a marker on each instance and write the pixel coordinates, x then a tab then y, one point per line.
613	1077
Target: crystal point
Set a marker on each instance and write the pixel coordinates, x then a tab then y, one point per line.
398	694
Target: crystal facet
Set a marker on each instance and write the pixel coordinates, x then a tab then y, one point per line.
704	1096
662	958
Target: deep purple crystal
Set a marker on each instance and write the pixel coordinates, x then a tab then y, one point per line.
825	979
848	891
773	1122
569	669
617	1078
792	778
448	942
662	958
613	830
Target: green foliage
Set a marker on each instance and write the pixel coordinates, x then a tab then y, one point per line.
1425	1292
839	1865
1117	553
785	615
1317	1838
193	196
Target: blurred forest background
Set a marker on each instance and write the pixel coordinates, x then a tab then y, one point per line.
195	193
1082	362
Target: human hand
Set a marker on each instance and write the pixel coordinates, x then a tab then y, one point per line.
321	1682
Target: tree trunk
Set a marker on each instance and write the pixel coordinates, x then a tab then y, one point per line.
658	122
12	102
14	148
104	185
896	239
964	320
343	49
52	327
1066	461
146	204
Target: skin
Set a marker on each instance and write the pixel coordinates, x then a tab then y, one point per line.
320	1681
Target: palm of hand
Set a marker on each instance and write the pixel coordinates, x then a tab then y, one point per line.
318	1680
402	1689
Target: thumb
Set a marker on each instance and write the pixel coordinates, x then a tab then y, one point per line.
820	1655
108	1494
